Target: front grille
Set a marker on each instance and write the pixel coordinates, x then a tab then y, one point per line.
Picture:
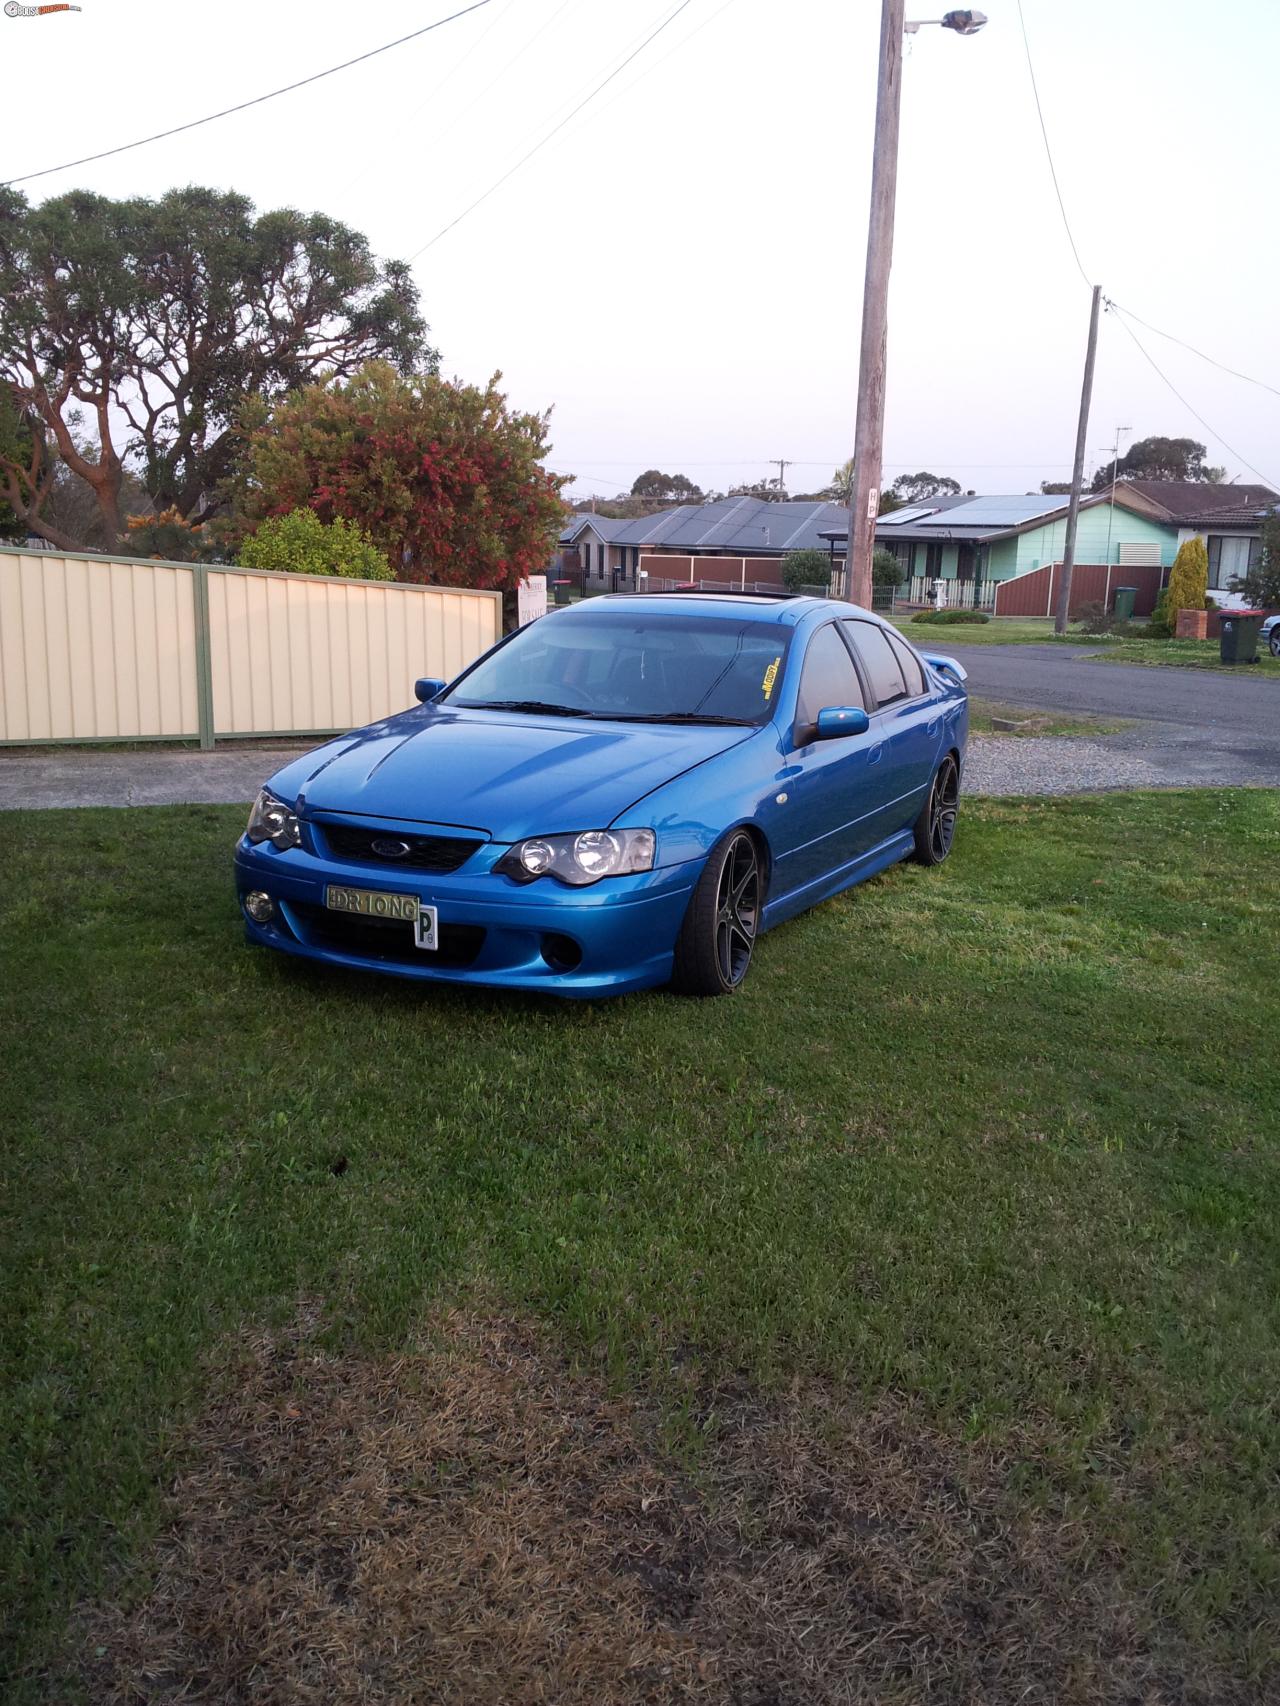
426	852
386	938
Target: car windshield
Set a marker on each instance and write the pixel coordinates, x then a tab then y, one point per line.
633	666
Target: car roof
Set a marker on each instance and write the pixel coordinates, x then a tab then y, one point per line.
757	607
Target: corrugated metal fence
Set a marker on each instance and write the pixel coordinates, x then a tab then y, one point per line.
1035	592
102	648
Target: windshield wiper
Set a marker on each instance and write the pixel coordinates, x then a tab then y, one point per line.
533	706
674	717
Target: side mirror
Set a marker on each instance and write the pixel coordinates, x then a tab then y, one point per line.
836	720
427	686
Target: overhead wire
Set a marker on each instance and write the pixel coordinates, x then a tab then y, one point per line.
681	44
407	120
1053	170
1211	430
1124	314
553	132
257	101
1235	373
474	100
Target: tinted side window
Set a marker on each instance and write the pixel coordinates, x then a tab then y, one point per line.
911	666
828	678
878	660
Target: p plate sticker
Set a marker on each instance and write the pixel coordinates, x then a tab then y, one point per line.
770	676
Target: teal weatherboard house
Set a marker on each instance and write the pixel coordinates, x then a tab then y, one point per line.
972	544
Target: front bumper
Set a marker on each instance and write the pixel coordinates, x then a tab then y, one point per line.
615	936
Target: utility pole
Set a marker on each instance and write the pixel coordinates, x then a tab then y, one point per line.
781	464
1077	475
868	433
1115	471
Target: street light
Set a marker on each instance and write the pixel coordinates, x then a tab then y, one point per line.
965	23
868	437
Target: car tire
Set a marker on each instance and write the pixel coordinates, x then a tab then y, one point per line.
717	938
935	828
1273	641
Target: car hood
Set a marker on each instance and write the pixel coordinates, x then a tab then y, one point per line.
507	775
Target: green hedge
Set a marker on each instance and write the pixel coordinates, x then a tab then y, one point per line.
947	618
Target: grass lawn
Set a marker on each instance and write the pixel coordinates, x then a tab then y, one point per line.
1019	631
999	631
903	1329
984	714
1186	654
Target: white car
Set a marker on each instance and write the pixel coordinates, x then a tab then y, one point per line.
1269	635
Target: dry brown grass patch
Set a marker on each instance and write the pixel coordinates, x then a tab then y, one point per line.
478	1523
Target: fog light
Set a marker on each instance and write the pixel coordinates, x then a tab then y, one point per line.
259	906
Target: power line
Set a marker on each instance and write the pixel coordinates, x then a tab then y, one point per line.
423	145
538	146
682	43
257	101
1053	171
1212	431
1182	343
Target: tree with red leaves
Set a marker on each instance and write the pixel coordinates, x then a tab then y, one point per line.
442	476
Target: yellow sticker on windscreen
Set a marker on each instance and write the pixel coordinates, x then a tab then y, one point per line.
770	676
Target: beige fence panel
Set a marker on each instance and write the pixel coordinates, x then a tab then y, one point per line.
99	648
302	653
96	649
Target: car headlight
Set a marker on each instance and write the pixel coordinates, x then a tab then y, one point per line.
271	820
580	859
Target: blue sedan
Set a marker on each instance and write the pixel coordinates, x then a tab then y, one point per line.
622	794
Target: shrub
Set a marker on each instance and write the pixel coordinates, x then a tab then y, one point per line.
1095	618
810	567
1163	619
950	618
886	570
1189	579
1261	586
302	544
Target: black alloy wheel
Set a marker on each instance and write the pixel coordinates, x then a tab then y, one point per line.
713	950
936	826
737	910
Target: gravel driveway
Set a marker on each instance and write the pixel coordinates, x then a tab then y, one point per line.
1151	755
1073	764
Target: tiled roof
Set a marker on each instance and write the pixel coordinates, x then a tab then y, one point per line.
1188	498
1243	516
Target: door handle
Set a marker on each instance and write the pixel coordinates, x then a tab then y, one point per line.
876	753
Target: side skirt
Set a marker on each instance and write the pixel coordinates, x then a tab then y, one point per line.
856	871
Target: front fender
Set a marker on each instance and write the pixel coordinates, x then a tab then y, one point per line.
691	813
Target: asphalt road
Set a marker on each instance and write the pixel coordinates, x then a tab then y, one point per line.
1189	727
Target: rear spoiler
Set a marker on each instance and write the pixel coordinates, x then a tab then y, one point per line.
946	666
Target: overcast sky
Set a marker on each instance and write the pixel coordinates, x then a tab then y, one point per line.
678	273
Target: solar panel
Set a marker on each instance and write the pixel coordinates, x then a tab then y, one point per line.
897	517
1002	511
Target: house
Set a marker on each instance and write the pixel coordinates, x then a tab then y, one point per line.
1228	518
975	544
734	541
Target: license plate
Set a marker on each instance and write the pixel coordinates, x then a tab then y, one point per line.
378	903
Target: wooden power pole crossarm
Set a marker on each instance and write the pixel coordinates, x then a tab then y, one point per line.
1077	473
868	439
